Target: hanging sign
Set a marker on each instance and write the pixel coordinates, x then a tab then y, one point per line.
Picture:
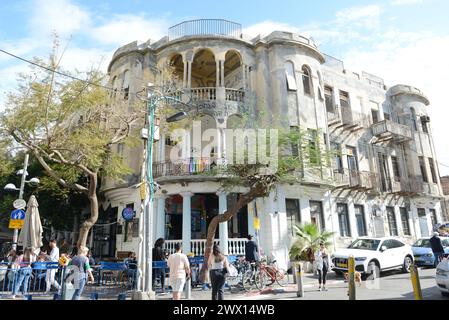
128	214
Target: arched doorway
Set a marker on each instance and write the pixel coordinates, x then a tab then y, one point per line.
204	70
233	70
176	69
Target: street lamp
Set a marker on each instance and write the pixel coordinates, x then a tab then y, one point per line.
153	99
11	187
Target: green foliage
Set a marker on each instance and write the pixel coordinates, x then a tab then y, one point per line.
307	241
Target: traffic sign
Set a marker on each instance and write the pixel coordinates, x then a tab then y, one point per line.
19	204
16	224
17	219
128	214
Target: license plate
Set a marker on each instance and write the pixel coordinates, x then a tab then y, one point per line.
342	265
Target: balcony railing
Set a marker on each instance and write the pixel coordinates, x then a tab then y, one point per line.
210	94
357	180
234	95
347	118
406	186
396	131
236	246
204	94
205	27
186	167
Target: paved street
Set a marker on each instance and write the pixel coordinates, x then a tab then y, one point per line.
392	286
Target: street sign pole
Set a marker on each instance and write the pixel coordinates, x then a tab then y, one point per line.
22	188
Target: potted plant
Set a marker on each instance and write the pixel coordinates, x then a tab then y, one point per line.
307	241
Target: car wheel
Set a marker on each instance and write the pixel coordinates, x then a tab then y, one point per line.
445	294
407	263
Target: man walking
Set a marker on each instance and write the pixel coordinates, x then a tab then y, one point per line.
54	257
179	271
437	247
251	250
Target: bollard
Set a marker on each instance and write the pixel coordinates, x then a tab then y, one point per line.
351	272
294	273
415	282
300	288
188	289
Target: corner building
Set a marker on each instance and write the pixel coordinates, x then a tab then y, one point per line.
384	178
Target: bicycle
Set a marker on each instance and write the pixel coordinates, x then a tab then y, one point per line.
253	278
271	274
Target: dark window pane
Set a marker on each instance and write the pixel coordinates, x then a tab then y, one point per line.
293	214
405	222
392	222
360	218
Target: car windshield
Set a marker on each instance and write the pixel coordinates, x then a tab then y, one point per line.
422	243
365	244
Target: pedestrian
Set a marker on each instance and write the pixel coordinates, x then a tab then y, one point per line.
131	268
437	247
159	254
322	265
219	267
51	273
251	251
179	271
24	273
83	269
64	246
91	259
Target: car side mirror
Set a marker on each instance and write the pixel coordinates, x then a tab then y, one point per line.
383	248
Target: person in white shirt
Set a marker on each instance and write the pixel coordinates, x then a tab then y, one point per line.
179	271
54	257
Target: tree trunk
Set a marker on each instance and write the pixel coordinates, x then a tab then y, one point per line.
89	223
229	214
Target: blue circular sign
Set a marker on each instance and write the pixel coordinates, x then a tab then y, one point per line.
18	215
128	214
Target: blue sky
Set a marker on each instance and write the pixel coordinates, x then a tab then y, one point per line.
403	41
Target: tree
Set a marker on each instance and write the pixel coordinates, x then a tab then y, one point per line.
71	127
298	152
308	239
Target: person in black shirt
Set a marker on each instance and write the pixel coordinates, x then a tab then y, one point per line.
437	247
251	250
159	254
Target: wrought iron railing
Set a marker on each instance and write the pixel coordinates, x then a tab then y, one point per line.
387	126
186	167
353	179
212	27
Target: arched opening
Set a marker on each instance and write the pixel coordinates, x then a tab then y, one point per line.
233	70
204	70
307	80
176	69
126	84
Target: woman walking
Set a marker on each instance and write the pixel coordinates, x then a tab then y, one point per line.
322	265
179	271
24	273
219	267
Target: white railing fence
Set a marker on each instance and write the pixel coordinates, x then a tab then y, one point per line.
236	246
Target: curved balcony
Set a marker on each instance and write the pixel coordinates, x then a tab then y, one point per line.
205	27
388	130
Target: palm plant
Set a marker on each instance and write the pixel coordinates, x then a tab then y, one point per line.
308	239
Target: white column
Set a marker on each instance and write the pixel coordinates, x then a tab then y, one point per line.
160	219
184	82
218	64
223	227
186	221
189	75
222	73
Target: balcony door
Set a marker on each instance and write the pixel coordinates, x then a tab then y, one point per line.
423	224
384	173
353	166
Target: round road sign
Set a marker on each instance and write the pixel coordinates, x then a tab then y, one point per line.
19	204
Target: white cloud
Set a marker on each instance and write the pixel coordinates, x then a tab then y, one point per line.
123	29
62	16
405	2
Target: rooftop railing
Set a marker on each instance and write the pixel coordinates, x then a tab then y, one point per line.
212	27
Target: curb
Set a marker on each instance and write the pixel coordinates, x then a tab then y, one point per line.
292	288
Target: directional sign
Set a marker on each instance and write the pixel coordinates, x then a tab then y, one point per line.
17	219
128	214
19	204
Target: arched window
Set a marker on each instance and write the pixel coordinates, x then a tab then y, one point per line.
290	76
125	86
306	80
114	87
413	118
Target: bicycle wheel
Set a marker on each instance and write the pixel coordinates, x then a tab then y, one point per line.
247	280
260	279
282	277
270	275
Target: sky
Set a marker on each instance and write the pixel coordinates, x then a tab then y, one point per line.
402	41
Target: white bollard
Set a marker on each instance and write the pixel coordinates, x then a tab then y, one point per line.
188	289
300	288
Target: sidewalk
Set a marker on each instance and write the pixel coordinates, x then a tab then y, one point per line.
309	281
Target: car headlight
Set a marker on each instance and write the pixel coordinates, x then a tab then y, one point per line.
429	255
442	272
360	259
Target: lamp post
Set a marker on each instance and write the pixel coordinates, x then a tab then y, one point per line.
12	187
146	258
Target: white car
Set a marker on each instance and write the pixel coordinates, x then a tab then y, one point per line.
384	253
442	277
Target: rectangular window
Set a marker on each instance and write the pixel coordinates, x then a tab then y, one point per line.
344	99
295	145
316	213
290	76
314	150
424	125
343	220
293	214
336	150
433	217
422	166
392	225
396	170
405	222
329	97
360	218
375	116
432	171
